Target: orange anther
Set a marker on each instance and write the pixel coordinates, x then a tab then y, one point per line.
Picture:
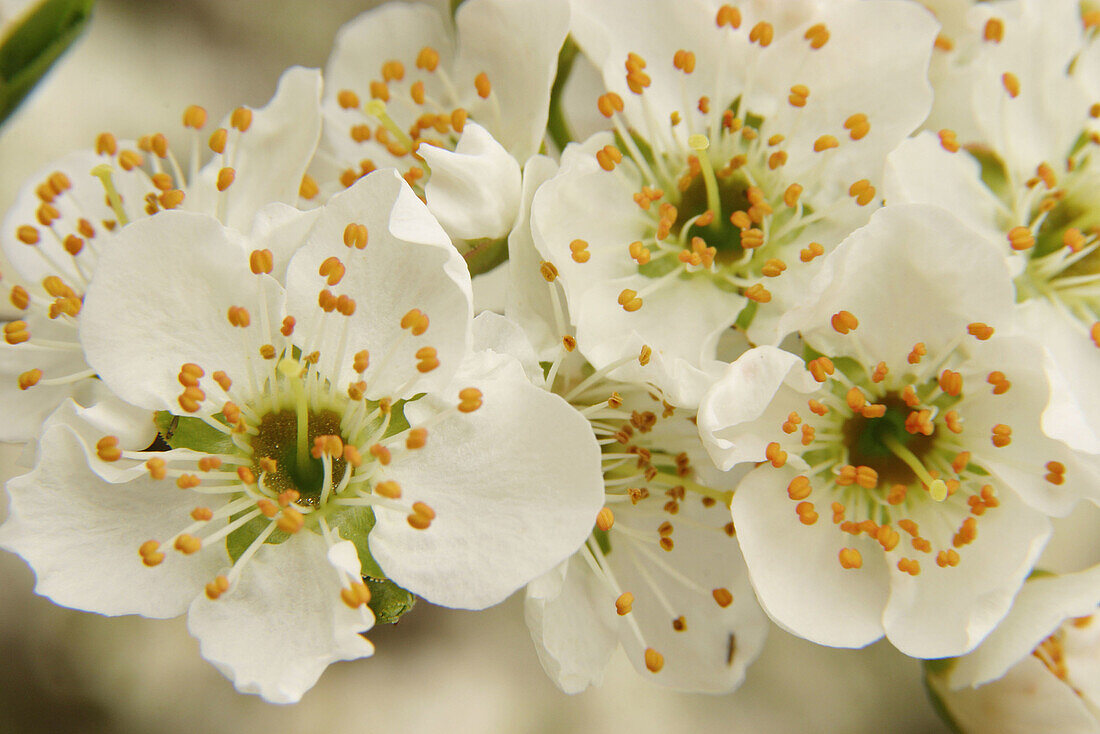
799	488
850	558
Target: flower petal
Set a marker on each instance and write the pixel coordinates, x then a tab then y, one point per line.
81	535
408	262
1040	607
474	191
795	568
269	158
516	43
160	298
283	623
515	486
744	398
944	612
574	635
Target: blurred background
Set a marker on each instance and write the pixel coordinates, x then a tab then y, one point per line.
136	68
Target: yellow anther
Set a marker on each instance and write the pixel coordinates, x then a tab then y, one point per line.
27	234
608	104
624	604
107	449
862	191
355	235
1021	238
469	399
817	35
605	519
209	463
722	597
246	475
347	99
225	178
684	61
1011	83
799	488
1002	435
798	96
482	85
427	358
105	144
29	378
427	59
415	321
758	293
824	143
308	188
762	33
356	595
844	322
194	117
417	438
728	15
261	261
217	140
994	30
16	332
188	544
290	521
813	250
821	368
850	558
241	119
629	300
388	489
217	587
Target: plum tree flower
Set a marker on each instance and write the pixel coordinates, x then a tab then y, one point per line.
661	574
748	141
456	106
1038	669
68	213
1022	170
904	483
305	473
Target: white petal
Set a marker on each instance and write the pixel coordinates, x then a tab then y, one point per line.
85	200
160	299
515	486
945	612
574	634
921	171
474	191
713	651
745	395
25	410
495	332
283	623
1028	699
530	303
269	158
281	229
81	535
1041	606
880	73
907	254
1022	464
516	43
1072	363
408	263
795	568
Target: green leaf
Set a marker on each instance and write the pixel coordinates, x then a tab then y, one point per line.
29	50
181	432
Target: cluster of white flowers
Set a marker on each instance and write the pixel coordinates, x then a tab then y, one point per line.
806	328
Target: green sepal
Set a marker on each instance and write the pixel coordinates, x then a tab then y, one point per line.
557	127
388	601
182	432
29	49
485	254
939	668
